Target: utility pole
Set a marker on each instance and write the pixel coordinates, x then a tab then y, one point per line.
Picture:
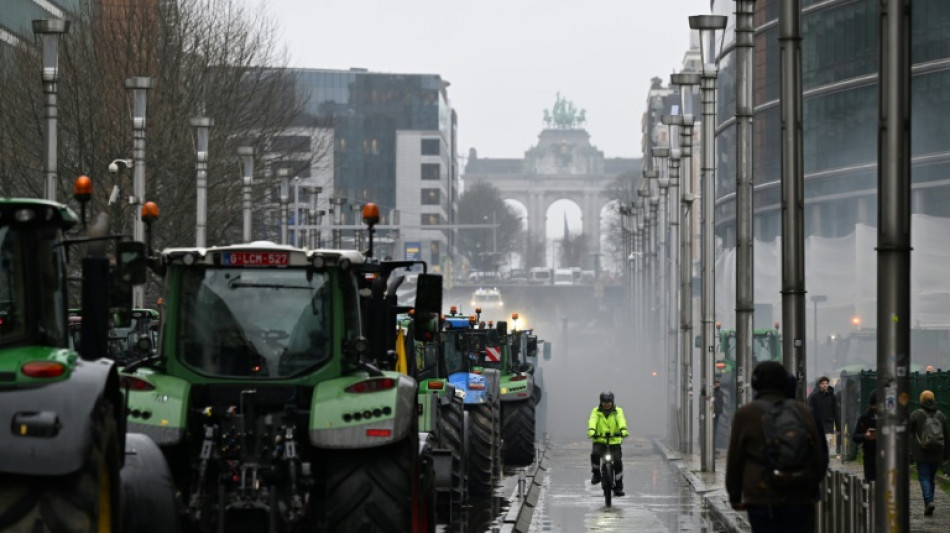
892	496
794	352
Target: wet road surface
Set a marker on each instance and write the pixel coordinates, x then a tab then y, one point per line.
657	498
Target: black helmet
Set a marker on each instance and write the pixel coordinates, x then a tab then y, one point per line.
606	396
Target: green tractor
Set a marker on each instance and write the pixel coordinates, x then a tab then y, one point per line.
441	407
463	350
63	464
766	346
519	395
268	398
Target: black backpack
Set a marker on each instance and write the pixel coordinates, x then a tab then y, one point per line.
789	446
931	435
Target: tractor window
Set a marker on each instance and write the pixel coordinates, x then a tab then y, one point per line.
12	312
454	356
260	323
49	268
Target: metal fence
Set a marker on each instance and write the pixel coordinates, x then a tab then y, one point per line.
846	504
854	390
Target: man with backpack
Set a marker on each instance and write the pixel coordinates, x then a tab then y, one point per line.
775	460
929	445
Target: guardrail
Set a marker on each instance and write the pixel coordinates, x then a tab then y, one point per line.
846	504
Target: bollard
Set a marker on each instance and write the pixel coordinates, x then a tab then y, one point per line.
844	507
827	500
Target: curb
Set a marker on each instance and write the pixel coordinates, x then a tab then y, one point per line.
713	497
524	498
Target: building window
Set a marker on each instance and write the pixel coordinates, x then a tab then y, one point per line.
431	219
431	171
434	256
431	196
430	146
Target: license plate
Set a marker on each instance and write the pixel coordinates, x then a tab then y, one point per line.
264	259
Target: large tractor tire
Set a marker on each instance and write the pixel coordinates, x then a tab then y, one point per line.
499	438
481	449
518	432
374	489
453	437
87	500
148	492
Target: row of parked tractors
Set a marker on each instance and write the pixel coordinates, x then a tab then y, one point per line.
276	388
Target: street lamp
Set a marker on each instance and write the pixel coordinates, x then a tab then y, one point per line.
283	175
815	300
707	26
50	31
246	153
202	126
314	195
139	86
338	202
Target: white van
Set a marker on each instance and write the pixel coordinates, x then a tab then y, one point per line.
540	276
563	276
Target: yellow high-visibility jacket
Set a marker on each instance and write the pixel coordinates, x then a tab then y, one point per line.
612	422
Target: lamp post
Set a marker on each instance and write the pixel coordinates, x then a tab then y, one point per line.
661	158
815	300
202	126
319	222
707	26
283	176
139	86
50	31
745	267
794	355
246	153
894	264
314	195
338	203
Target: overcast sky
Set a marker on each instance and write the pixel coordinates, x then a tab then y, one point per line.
505	59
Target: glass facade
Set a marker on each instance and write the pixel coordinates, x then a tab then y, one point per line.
839	74
367	109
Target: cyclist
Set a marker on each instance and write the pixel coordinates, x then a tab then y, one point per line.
607	419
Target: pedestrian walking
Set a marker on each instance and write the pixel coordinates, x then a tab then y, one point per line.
775	458
718	404
865	434
823	402
929	445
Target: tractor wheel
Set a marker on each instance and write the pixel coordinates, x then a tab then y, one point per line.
453	416
371	489
481	449
87	500
518	431
499	438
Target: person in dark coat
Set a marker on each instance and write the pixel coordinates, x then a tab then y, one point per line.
928	461
770	508
823	402
865	434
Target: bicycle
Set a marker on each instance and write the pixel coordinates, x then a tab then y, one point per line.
607	479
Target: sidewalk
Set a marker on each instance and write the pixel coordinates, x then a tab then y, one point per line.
712	486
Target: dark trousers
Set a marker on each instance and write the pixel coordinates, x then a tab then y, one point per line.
615	452
782	518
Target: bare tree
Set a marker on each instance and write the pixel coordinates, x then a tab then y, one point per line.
212	58
483	204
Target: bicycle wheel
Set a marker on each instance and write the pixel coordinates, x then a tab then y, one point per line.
607	480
